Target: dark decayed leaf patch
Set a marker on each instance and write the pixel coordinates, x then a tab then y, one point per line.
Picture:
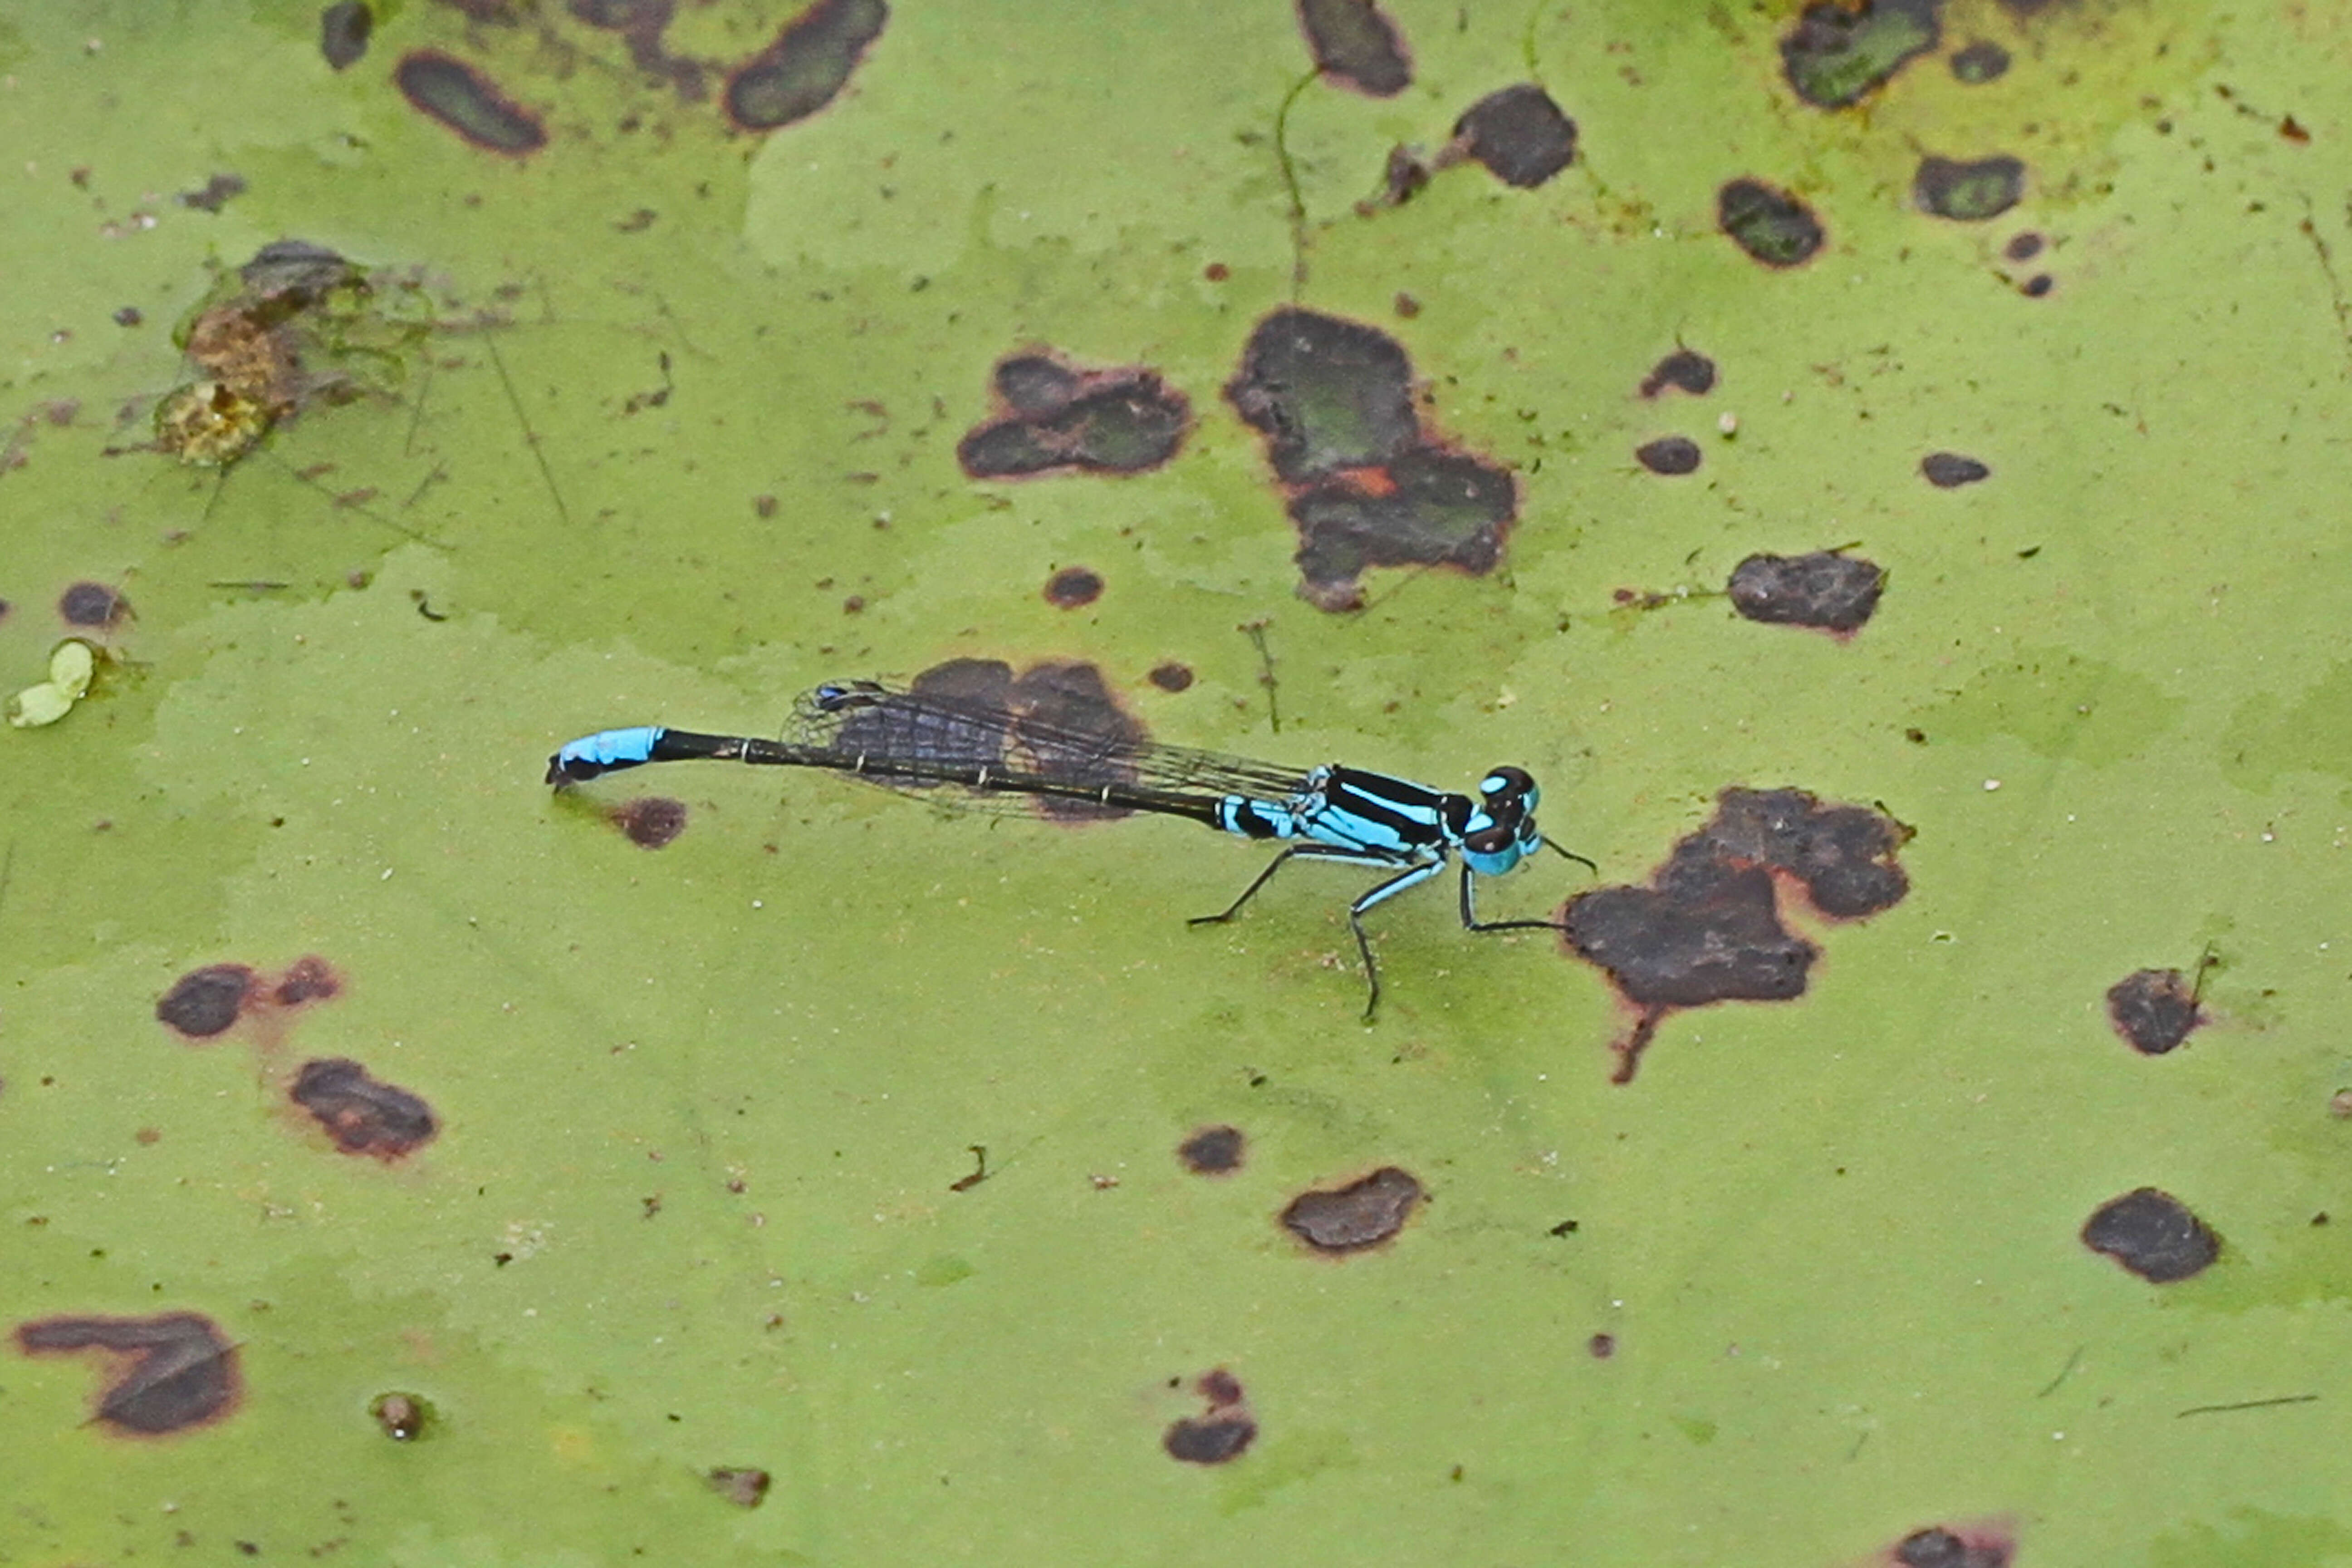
1950	470
1771	226
1837	55
1355	44
1969	192
1938	1546
2154	1234
452	93
362	1113
1670	455
1212	1151
173	1370
1334	400
807	66
650	822
1362	1215
2155	1010
1684	370
1519	134
1223	1430
1708	927
1825	590
1054	417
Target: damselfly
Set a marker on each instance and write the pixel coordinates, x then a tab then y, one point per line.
925	738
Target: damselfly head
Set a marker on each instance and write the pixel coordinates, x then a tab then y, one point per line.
1505	830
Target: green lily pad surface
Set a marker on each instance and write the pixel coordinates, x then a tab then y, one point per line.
1878	468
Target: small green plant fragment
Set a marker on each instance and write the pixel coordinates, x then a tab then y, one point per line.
1969	192
1836	57
72	666
807	66
297	325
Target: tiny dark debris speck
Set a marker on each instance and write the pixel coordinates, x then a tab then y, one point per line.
343	30
91	605
1969	192
1073	587
1825	590
445	88
129	316
1669	455
1980	63
402	1417
1520	133
651	822
1355	44
2035	287
807	65
1949	471
1172	676
2153	1009
2022	247
1600	1347
1771	226
1055	418
1838	53
205	1002
742	1486
1684	370
1212	1151
360	1113
1360	1215
1209	1441
2152	1234
180	1371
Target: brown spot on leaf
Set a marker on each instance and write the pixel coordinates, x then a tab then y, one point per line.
1684	370
1708	927
2154	1234
650	822
1520	133
807	65
1826	590
92	605
1355	44
360	1113
1212	1151
447	90
1367	487
173	1370
1223	1429
1073	587
1771	226
1363	1213
2155	1010
1052	416
205	1002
